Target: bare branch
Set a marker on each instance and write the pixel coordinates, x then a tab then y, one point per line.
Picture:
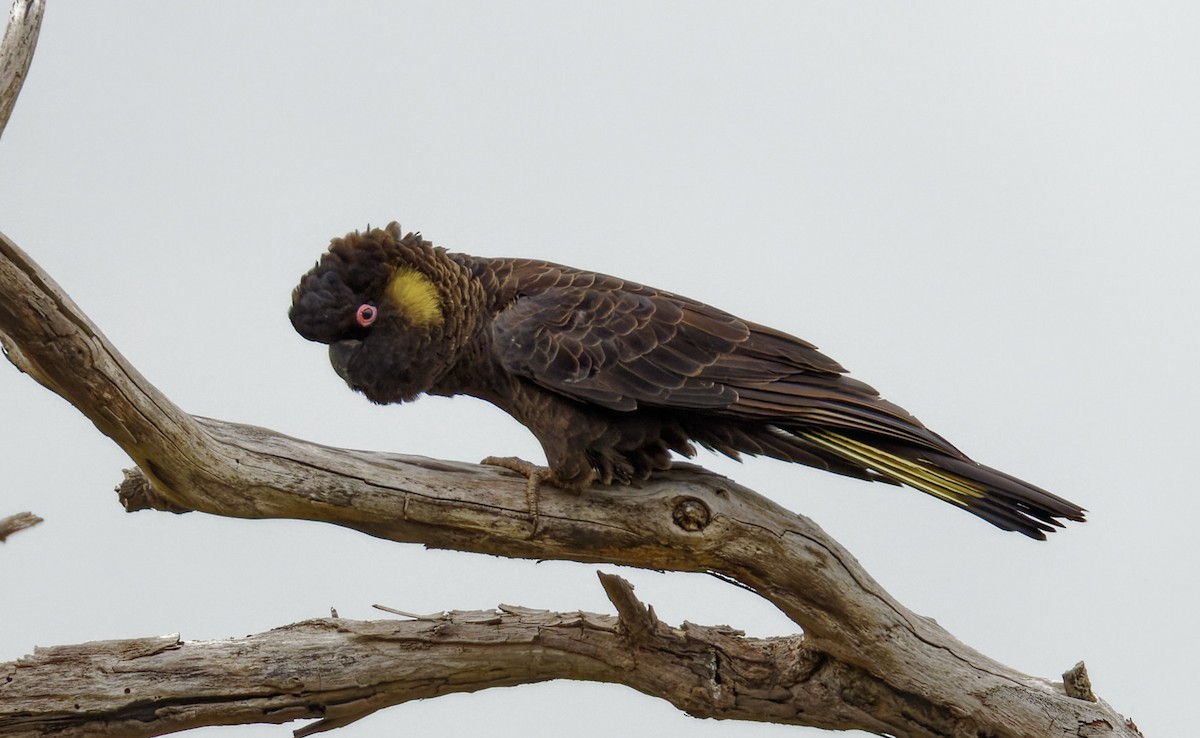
18	522
685	520
16	52
342	670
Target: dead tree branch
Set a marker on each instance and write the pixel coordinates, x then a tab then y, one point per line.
686	520
18	522
16	51
341	670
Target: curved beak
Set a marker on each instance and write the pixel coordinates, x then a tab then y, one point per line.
340	354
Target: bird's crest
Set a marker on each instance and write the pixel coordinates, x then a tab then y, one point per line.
416	297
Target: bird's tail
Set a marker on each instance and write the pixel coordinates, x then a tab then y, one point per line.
1004	501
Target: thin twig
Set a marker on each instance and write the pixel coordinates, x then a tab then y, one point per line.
18	522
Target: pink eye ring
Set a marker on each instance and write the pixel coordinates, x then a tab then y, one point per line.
366	314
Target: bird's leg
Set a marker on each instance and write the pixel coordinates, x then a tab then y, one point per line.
534	473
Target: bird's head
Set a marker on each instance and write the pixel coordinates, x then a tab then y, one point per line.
380	300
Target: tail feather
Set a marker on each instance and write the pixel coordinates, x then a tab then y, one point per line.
1003	500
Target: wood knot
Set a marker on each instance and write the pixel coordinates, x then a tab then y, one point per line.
691	514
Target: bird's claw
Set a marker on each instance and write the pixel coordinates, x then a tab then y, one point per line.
536	474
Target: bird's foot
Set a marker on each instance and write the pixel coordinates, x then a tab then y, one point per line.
534	473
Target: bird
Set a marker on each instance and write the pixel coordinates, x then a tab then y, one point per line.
612	377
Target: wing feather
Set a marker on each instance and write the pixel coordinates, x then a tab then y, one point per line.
615	346
624	346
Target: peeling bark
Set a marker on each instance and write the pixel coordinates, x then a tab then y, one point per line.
341	670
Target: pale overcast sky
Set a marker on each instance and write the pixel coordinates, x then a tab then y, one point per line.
989	211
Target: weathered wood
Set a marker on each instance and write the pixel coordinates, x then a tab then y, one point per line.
18	522
16	51
341	670
850	622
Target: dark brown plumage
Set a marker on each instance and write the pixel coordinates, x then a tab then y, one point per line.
613	376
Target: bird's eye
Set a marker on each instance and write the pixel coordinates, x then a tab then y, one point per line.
366	314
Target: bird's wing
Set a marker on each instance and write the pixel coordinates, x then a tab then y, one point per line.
621	345
617	347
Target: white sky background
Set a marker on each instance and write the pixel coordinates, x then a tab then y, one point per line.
988	211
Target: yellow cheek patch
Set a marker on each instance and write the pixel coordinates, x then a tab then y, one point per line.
416	297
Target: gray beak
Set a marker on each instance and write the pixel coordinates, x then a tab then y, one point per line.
340	354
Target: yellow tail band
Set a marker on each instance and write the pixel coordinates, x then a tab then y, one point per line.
940	484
